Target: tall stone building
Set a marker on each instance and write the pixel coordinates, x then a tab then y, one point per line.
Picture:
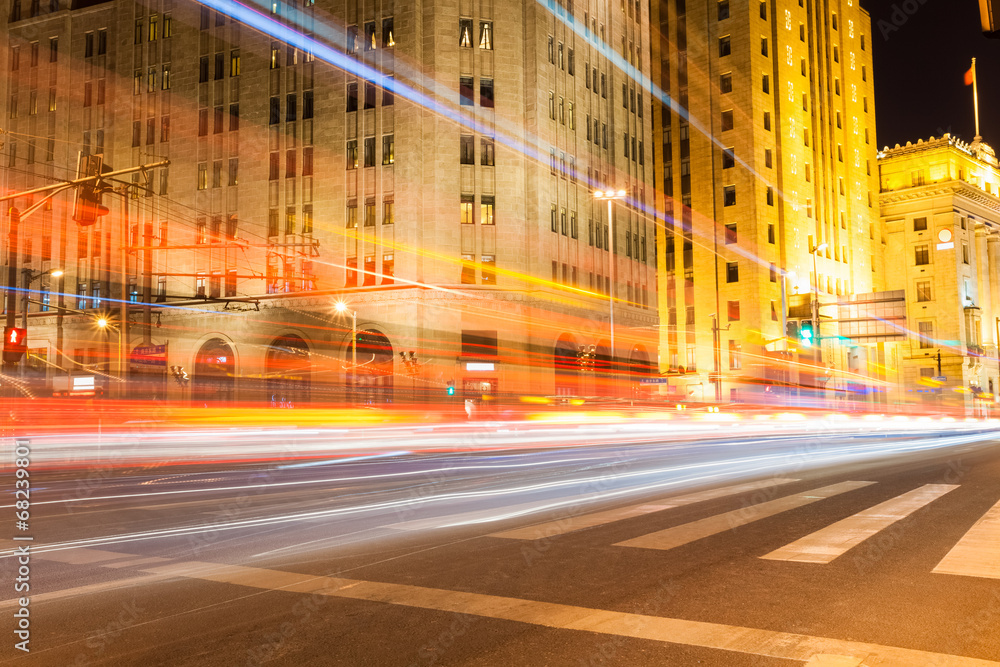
430	164
940	209
764	124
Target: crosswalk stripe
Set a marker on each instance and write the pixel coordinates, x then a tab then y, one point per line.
808	649
696	530
836	539
572	522
977	554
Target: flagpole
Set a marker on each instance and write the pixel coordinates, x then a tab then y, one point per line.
975	96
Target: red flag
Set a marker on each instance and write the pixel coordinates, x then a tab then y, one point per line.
969	76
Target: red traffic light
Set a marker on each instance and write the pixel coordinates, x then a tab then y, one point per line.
15	344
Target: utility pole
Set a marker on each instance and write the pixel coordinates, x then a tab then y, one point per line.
12	248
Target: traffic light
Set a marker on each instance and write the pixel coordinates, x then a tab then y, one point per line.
15	344
88	195
792	329
806	333
451	388
88	205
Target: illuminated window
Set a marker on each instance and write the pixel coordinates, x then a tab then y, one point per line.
924	290
388	211
921	255
352	154
388	149
465	33
468	202
486	208
926	334
388	33
486	35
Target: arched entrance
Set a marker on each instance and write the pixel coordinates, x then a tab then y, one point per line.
603	373
287	369
638	363
566	363
373	376
214	378
638	368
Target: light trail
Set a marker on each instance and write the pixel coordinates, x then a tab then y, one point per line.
728	470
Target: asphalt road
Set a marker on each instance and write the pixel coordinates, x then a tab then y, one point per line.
791	550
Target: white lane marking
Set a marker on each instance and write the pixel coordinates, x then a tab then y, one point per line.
977	554
696	530
572	522
825	545
816	651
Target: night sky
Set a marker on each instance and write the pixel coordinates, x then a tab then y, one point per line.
919	70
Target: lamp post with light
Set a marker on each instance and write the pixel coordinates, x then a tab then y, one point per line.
342	308
27	278
815	308
611	196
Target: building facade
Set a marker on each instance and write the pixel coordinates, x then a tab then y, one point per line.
431	165
764	161
940	213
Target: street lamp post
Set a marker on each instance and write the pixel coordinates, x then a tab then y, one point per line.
28	278
815	308
611	196
341	307
817	338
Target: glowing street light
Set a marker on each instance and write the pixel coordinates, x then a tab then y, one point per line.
342	308
611	196
815	311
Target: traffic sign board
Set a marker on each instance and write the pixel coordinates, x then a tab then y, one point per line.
939	378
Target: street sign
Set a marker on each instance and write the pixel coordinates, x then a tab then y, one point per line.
653	381
939	378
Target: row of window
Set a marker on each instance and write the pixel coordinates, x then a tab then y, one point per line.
150	79
216	182
485	34
388	212
370	273
562	58
216	66
370	157
34	10
467	150
150	29
291	221
487	209
487	266
388	97
33	101
151	131
15	53
291	108
370	39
